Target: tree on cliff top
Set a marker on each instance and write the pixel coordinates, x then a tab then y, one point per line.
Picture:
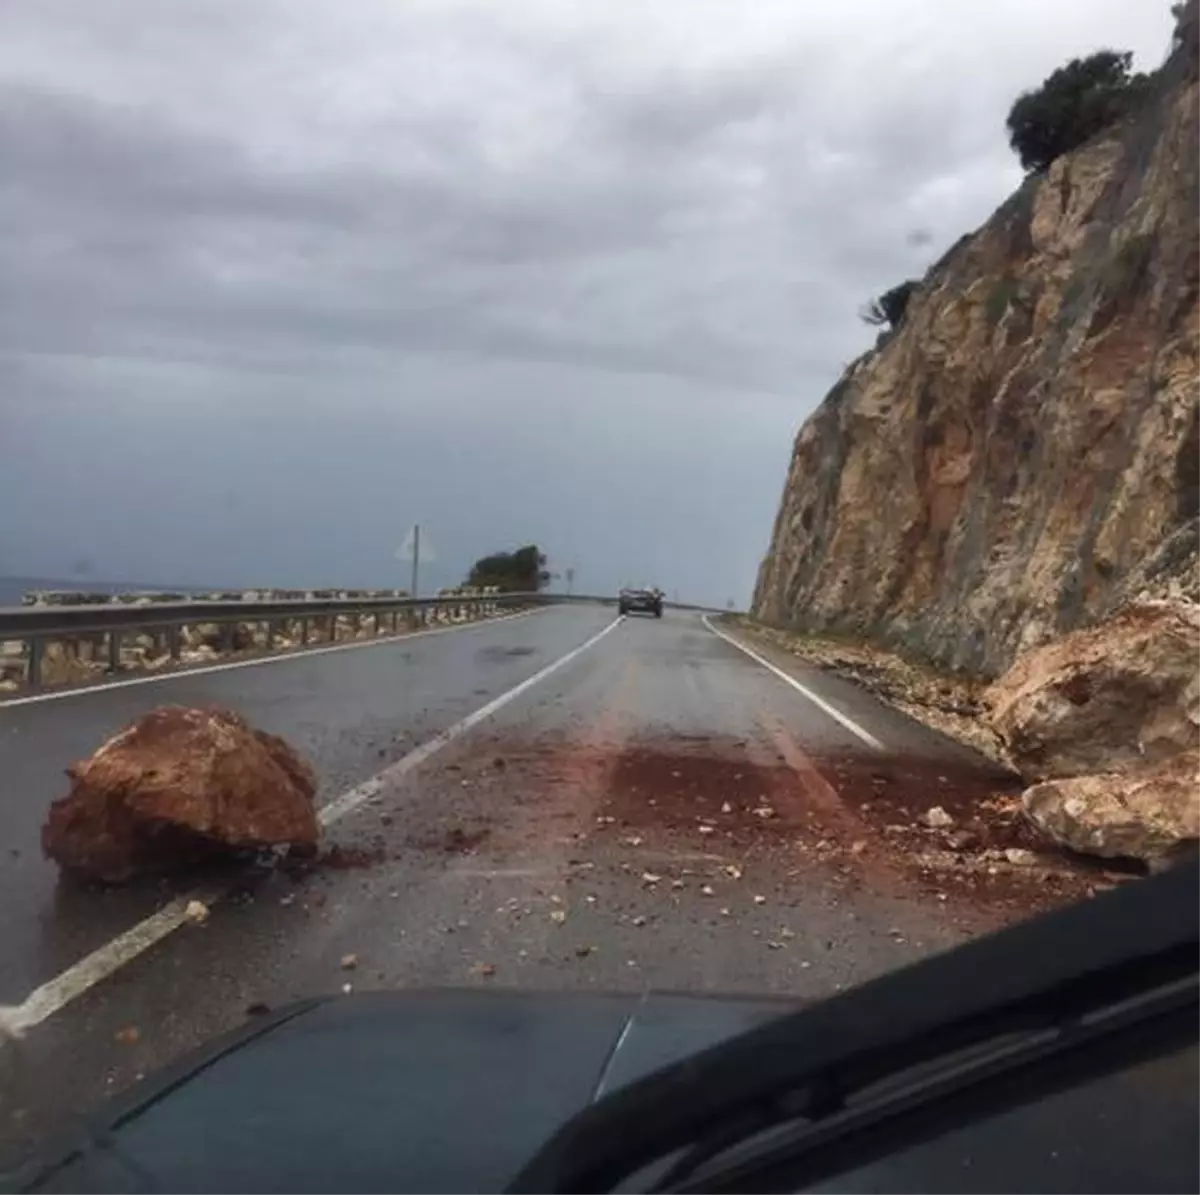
1074	103
890	307
522	571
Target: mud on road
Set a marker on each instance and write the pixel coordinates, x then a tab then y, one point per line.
852	819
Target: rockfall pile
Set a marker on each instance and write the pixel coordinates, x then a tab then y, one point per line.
1022	455
1107	720
180	786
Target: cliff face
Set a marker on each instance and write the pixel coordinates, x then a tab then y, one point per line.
1021	456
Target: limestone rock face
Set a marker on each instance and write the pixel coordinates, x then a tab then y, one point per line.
1021	457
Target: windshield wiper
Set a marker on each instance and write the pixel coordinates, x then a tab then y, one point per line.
1120	970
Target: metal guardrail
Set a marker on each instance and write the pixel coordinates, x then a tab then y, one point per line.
105	625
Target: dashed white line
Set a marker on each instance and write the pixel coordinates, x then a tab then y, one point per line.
282	657
821	704
90	970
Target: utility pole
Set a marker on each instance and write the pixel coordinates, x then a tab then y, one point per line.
416	558
570	575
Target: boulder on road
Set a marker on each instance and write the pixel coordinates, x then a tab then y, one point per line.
1111	698
1145	815
177	786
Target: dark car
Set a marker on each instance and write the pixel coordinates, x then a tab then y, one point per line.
1058	1055
642	601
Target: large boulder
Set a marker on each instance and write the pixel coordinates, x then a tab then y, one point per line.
1112	698
1147	816
177	786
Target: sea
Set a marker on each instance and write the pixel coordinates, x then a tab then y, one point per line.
12	589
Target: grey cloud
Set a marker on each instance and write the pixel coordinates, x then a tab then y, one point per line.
479	228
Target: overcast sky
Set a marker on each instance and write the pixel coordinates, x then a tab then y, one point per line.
279	278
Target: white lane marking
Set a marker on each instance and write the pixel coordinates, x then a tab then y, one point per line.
302	653
351	800
821	704
72	983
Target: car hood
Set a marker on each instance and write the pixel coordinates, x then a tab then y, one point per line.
446	1090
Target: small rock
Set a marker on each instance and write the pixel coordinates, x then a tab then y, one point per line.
349	962
558	915
962	840
733	871
632	841
724	912
584	951
639	921
705	829
648	877
764	811
128	1036
707	890
858	847
936	818
726	807
347	988
677	884
773	945
487	970
760	900
196	912
1021	857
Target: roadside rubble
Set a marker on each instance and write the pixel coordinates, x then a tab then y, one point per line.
1100	725
1105	720
180	786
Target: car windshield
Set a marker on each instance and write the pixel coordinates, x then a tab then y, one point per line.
685	510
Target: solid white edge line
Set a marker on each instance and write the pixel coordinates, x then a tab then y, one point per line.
279	658
821	704
102	962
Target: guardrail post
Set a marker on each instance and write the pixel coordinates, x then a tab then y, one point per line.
173	637
304	631
34	675
114	651
333	628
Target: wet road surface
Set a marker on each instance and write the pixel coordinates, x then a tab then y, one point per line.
659	811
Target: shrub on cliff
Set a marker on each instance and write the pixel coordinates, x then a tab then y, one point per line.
890	307
1074	103
521	571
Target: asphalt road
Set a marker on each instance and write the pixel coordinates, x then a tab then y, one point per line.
660	810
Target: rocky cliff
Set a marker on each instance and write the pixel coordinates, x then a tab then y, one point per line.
1020	457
